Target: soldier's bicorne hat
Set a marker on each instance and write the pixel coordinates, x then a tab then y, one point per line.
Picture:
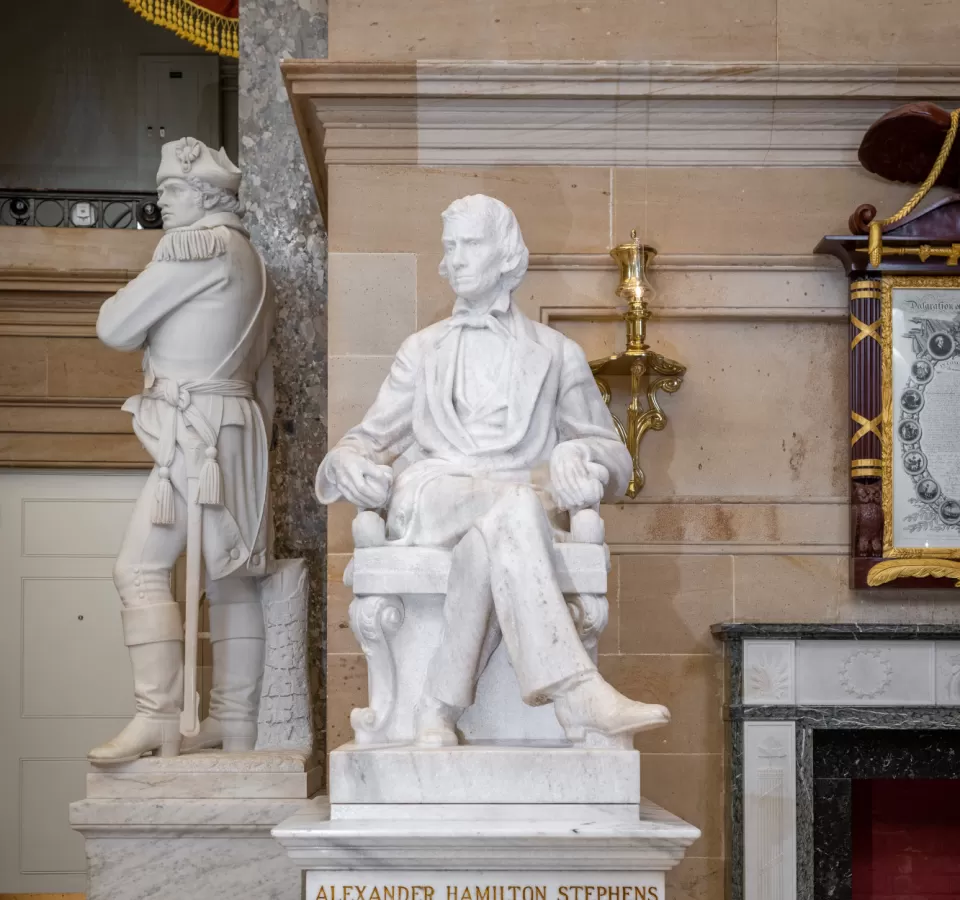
190	158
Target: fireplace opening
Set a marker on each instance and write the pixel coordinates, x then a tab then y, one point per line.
906	839
886	814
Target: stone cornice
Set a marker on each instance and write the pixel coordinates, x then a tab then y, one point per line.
619	80
438	113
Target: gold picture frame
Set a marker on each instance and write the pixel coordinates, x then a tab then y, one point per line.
889	284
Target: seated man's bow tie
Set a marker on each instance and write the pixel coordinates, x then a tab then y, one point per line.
480	320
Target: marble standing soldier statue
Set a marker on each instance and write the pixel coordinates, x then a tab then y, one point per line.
488	427
202	312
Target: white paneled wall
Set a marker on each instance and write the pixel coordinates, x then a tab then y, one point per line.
65	681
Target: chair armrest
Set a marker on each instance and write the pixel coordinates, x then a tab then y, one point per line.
369	529
586	526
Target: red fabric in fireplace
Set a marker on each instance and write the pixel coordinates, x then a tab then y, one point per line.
906	839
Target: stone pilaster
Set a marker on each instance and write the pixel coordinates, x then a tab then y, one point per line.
286	227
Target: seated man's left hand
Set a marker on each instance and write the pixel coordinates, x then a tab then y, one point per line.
576	481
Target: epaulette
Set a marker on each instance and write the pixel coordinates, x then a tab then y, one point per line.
191	244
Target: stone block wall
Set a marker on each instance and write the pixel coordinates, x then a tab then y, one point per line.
734	31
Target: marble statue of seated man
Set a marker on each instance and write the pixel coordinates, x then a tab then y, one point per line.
488	430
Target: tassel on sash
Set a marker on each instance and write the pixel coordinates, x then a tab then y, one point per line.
164	512
210	489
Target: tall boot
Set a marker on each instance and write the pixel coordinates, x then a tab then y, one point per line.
237	639
155	638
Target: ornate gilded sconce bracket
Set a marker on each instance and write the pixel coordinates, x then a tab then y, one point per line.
649	371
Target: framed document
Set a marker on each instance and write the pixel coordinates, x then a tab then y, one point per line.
920	373
904	363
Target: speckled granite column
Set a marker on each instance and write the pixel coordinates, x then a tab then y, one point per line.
286	227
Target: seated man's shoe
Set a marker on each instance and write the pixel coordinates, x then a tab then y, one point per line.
436	724
590	711
231	736
159	733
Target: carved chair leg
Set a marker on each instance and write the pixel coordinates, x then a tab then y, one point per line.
374	621
590	613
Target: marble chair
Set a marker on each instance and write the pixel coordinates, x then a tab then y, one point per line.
396	617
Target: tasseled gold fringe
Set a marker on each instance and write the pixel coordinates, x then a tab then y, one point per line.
193	23
191	244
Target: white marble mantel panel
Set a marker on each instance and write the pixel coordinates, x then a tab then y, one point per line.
770	811
850	673
865	673
769	673
948	673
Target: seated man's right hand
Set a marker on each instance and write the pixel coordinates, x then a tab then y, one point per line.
360	482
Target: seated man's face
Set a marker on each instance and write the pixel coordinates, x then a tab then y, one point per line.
472	257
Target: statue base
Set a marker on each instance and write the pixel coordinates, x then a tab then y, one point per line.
487	851
499	773
196	825
208	775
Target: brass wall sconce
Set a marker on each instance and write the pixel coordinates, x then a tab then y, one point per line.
649	372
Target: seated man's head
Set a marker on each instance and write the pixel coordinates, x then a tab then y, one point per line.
483	251
194	181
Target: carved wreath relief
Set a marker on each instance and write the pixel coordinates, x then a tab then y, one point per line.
866	674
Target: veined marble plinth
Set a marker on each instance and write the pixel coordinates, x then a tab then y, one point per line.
209	774
193	826
172	849
488	773
471	856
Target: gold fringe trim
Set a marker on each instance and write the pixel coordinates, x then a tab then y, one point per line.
892	569
192	244
213	32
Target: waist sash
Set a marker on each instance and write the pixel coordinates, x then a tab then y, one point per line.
178	396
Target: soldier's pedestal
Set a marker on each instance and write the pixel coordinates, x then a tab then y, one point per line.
193	826
557	823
